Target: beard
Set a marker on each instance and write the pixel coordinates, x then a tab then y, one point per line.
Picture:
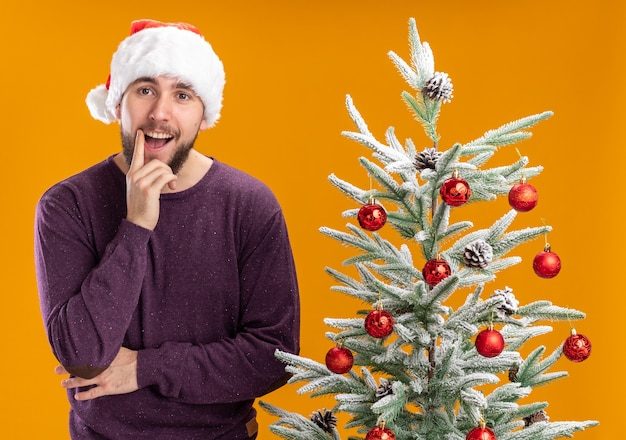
176	162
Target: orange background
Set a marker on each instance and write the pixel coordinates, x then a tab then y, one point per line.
289	66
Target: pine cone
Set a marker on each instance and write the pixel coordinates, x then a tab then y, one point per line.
439	88
539	416
513	374
478	254
384	389
427	159
324	419
510	304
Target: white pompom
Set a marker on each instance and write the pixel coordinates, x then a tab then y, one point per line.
96	102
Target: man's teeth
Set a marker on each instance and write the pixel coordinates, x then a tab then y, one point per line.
159	135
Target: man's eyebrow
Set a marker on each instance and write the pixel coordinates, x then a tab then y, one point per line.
144	79
185	86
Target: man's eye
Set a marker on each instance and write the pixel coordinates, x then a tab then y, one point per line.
184	96
144	91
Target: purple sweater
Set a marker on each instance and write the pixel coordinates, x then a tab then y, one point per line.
206	298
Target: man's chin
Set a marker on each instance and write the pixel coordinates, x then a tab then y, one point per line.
179	158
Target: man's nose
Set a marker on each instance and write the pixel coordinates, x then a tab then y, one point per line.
162	109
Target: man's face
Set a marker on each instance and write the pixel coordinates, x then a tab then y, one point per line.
170	115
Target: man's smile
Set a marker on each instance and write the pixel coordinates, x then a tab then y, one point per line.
157	140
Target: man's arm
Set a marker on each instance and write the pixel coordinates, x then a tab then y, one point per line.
87	300
228	370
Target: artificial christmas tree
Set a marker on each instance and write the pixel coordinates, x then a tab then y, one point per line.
417	373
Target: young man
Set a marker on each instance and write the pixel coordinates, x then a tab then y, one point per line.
166	277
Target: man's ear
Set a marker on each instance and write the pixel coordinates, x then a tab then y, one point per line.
118	113
203	125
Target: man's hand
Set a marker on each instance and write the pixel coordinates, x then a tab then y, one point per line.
144	183
119	378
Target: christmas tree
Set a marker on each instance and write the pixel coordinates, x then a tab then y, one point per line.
413	366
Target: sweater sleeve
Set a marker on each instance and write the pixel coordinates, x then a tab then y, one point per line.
87	296
244	366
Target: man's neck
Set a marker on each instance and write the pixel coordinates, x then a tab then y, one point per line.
192	171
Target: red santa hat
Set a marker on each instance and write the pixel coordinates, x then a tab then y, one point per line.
154	48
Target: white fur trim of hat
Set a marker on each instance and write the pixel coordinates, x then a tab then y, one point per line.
154	48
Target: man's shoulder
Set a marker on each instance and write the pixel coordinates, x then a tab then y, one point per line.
97	178
244	192
240	181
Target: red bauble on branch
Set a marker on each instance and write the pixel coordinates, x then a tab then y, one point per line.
435	271
339	359
489	342
379	323
455	191
481	433
547	264
380	433
577	347
372	216
523	196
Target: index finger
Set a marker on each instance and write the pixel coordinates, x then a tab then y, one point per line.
138	154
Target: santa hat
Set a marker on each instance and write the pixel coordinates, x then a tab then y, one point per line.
153	49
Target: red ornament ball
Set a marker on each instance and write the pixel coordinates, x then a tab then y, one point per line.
372	217
577	347
380	433
435	271
339	360
379	323
489	343
481	433
547	264
455	191
523	197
